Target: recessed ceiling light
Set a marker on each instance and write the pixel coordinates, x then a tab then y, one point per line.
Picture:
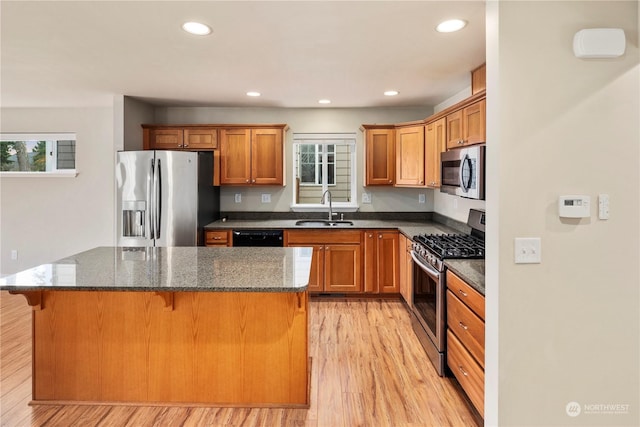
196	28
451	25
324	101
253	93
391	93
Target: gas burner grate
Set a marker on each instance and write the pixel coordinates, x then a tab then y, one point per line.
452	245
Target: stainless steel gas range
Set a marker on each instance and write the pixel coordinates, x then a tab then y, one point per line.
429	317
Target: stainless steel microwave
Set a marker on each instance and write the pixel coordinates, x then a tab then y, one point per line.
462	172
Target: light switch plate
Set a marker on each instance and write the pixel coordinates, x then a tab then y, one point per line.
366	197
238	198
421	198
528	250
603	206
266	198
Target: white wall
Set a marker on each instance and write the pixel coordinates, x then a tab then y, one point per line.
308	121
45	219
568	329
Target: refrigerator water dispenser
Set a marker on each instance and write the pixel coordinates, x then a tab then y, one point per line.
134	213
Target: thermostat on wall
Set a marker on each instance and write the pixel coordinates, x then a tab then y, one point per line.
574	206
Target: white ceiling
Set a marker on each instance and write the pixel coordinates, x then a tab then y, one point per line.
63	53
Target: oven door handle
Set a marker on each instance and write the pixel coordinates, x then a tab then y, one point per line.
427	269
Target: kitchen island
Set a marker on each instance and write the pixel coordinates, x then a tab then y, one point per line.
181	325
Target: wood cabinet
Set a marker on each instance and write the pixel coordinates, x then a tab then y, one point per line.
435	137
406	268
381	259
251	156
380	155
191	137
467	125
336	264
465	338
217	238
410	156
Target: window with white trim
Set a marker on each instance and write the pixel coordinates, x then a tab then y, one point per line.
36	153
324	162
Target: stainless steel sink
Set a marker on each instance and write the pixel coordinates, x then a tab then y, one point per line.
323	223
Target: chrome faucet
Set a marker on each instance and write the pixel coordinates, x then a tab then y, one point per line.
322	200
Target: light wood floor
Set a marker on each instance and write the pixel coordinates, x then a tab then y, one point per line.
368	370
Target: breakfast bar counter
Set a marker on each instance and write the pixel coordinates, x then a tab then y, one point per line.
177	325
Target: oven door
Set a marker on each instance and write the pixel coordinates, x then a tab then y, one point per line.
428	301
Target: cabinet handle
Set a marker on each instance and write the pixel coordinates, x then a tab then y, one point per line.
370	235
461	141
179	145
463	293
186	145
379	236
463	326
253	181
390	182
326	248
421	182
463	371
247	181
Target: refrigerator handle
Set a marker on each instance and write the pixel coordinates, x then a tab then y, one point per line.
158	178
150	191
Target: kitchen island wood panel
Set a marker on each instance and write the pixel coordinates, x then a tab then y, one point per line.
229	348
174	325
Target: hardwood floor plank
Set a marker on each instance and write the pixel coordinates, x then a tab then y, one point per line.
368	369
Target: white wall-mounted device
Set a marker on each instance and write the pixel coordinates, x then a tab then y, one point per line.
599	43
574	206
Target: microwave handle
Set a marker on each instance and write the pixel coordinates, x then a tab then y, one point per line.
465	185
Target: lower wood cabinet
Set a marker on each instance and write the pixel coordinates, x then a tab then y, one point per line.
381	259
336	264
465	338
406	268
217	238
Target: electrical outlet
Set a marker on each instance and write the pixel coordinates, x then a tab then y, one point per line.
14	254
238	198
528	250
421	198
366	197
266	198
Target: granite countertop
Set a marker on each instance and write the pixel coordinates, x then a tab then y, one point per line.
171	269
469	270
408	228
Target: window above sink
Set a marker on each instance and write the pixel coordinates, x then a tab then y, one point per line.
324	161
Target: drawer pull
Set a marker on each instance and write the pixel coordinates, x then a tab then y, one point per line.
463	326
463	371
463	293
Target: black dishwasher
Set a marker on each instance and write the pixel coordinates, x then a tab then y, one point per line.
258	238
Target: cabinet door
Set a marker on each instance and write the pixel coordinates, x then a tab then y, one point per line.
370	274
454	130
404	272
166	139
410	156
266	156
408	267
316	275
473	123
235	156
380	157
342	268
434	141
201	138
387	261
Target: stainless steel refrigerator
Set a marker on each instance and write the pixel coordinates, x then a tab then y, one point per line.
165	198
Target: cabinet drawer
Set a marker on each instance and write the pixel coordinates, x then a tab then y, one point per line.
472	298
469	374
468	327
216	238
293	237
204	138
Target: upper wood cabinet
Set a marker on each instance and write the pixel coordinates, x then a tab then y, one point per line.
434	144
467	125
380	156
251	156
192	137
410	157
